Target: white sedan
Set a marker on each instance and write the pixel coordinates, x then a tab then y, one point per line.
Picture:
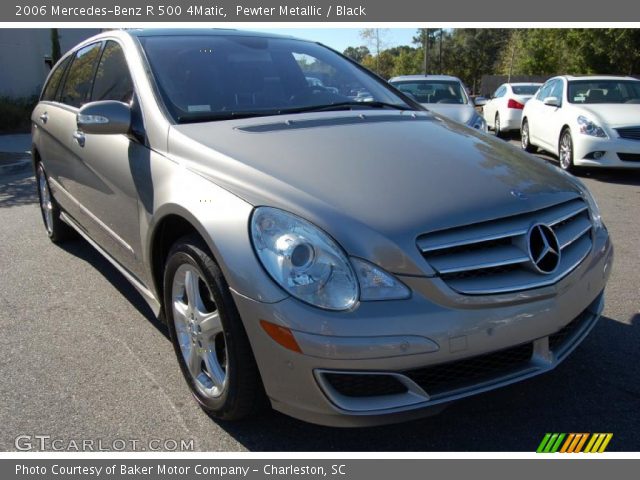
503	112
591	121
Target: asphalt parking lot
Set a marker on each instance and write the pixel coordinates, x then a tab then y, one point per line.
84	358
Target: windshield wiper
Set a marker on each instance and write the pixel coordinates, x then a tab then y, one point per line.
216	116
230	115
346	106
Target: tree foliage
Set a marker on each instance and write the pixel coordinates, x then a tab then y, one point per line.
470	53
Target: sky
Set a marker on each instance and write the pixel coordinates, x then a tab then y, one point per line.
341	38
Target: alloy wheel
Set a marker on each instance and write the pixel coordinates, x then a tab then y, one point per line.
45	200
199	331
525	136
566	151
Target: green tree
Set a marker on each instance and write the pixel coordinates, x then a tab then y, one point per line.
357	53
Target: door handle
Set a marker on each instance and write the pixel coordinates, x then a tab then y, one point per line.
79	137
44	117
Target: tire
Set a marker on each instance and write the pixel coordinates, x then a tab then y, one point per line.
56	229
208	337
525	138
497	127
565	151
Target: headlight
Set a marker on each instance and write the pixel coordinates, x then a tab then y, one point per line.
478	122
587	127
303	259
312	267
593	207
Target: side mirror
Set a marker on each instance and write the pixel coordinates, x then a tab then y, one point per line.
551	101
480	101
104	118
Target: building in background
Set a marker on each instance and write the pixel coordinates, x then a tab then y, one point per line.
22	57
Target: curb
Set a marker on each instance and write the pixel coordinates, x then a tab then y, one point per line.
15	167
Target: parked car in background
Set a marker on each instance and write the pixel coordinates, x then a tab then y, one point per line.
442	94
317	83
591	121
503	112
347	262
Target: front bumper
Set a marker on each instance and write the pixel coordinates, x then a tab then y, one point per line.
413	340
615	149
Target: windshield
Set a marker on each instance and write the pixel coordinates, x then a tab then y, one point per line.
433	91
604	91
204	78
525	89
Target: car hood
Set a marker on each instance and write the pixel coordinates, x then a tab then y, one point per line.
612	115
456	112
375	181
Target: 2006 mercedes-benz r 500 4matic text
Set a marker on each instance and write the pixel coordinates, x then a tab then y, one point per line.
348	257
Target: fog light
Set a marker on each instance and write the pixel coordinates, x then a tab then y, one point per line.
595	155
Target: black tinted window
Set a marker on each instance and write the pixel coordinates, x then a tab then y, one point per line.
113	81
525	89
78	83
51	88
199	77
604	91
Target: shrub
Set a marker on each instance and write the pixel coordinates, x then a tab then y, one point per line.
15	114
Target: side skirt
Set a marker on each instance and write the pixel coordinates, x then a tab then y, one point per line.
148	296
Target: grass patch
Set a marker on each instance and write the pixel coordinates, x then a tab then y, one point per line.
15	114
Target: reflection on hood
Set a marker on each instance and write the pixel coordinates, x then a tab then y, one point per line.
459	113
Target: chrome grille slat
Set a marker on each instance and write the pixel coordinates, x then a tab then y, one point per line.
509	227
492	257
567	234
522	279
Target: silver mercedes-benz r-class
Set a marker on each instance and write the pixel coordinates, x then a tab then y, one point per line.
329	248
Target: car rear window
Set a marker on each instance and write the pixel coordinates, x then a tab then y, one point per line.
525	89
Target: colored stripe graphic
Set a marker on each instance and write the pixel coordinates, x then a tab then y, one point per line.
581	443
543	443
590	444
606	442
574	442
568	442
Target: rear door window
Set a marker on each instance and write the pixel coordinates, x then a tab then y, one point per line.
51	89
77	85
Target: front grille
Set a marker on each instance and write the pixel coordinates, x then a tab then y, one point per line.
447	377
630	133
365	385
492	257
629	157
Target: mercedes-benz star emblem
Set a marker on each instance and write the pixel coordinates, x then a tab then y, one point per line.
544	249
